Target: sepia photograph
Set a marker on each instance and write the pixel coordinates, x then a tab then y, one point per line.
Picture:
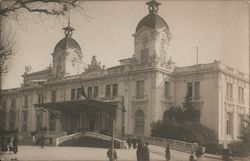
124	80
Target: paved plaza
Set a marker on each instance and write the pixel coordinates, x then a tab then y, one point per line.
35	153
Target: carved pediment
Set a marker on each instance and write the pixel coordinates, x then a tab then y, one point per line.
95	67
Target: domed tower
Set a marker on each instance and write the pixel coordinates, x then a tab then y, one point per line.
67	56
152	37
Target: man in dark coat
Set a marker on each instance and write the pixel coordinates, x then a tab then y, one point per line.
42	140
139	152
15	145
167	154
134	142
129	141
145	152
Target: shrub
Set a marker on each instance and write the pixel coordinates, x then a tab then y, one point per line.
239	148
188	131
212	148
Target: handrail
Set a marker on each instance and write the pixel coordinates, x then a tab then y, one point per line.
62	139
100	136
174	144
103	137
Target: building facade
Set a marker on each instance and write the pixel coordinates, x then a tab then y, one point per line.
143	87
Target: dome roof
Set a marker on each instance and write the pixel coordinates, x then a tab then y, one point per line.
152	21
68	43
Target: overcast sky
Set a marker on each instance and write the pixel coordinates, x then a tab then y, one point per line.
105	29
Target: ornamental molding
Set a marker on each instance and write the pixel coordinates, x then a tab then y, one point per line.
241	110
139	103
229	108
94	68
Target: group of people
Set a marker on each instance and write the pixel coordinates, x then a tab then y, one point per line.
142	152
132	142
8	144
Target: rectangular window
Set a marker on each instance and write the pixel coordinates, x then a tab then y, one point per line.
229	91
89	92
140	89
240	124
53	96
4	103
12	116
40	98
108	90
78	93
73	94
96	91
115	90
26	101
241	95
39	119
197	90
12	126
25	116
144	56
189	90
167	89
229	123
13	103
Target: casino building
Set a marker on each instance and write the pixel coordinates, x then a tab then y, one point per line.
142	88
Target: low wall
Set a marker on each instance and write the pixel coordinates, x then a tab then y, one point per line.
174	144
62	139
103	137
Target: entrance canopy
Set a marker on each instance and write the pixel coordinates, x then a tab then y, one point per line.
79	105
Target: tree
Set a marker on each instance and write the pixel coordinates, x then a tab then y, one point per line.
245	135
49	7
242	147
16	7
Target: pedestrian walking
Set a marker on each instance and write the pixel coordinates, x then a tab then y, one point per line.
139	152
115	156
129	142
15	145
42	140
146	152
134	142
192	157
4	144
10	146
167	153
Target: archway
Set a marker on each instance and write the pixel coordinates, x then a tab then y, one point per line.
139	123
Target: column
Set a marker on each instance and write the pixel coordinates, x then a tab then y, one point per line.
80	123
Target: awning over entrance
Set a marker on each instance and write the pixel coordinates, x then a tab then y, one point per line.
79	105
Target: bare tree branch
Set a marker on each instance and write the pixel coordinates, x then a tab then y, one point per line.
45	6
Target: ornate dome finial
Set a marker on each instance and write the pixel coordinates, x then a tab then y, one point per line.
153	6
68	31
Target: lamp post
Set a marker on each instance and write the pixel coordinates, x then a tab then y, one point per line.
112	140
123	118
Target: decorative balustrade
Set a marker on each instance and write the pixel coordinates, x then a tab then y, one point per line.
101	136
174	144
140	97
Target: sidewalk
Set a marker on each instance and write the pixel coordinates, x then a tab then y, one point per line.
35	153
180	156
76	153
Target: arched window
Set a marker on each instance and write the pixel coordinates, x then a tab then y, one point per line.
139	122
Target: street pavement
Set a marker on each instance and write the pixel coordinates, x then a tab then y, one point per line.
35	153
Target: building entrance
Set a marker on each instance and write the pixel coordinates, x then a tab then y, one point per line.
139	123
92	125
